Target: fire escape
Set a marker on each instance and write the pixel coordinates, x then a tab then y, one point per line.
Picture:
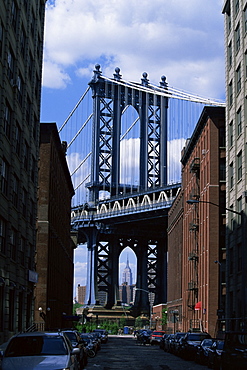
194	252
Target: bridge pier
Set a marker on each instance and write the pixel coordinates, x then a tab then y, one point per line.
91	233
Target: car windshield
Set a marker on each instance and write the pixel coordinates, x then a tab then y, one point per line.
207	342
71	336
198	337
157	333
36	346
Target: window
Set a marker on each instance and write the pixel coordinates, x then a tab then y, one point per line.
238	78
239	210
239	163
3	228
23	41
230	54
22	251
222	169
13	244
7	119
222	137
19	84
230	93
24	202
231	134
11	63
239	122
4	177
25	155
14	15
17	139
237	38
15	191
231	178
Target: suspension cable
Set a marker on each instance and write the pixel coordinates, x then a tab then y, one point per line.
73	111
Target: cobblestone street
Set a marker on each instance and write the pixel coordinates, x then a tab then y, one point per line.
123	352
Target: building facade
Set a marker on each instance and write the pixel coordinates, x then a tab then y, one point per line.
127	274
81	293
174	271
21	52
203	256
55	248
235	13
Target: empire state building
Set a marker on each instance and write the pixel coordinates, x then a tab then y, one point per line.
127	274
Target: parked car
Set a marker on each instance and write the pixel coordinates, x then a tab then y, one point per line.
77	342
97	338
162	341
143	336
40	351
156	337
103	333
168	342
201	356
190	342
214	354
234	353
90	341
176	342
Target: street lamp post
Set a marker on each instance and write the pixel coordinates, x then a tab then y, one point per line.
151	308
241	214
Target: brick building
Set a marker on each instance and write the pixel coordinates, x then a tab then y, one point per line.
81	293
55	249
21	53
203	180
174	271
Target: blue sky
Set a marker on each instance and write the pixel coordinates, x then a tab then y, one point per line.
183	40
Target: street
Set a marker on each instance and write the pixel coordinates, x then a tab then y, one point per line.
123	352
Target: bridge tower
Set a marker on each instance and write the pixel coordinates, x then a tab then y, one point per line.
111	97
106	239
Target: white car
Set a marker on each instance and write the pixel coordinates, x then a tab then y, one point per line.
40	350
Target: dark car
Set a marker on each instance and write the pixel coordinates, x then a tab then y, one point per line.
214	354
176	342
201	356
156	337
168	342
40	351
77	342
90	341
190	342
103	333
143	336
162	341
234	353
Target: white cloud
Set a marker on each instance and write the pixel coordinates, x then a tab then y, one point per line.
178	39
54	76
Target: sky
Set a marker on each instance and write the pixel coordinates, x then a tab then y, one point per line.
183	40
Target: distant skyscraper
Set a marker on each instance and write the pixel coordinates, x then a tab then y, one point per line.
127	274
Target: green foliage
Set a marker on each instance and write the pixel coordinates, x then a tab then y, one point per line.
111	326
164	316
75	306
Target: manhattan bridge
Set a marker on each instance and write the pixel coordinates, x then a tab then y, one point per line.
124	145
